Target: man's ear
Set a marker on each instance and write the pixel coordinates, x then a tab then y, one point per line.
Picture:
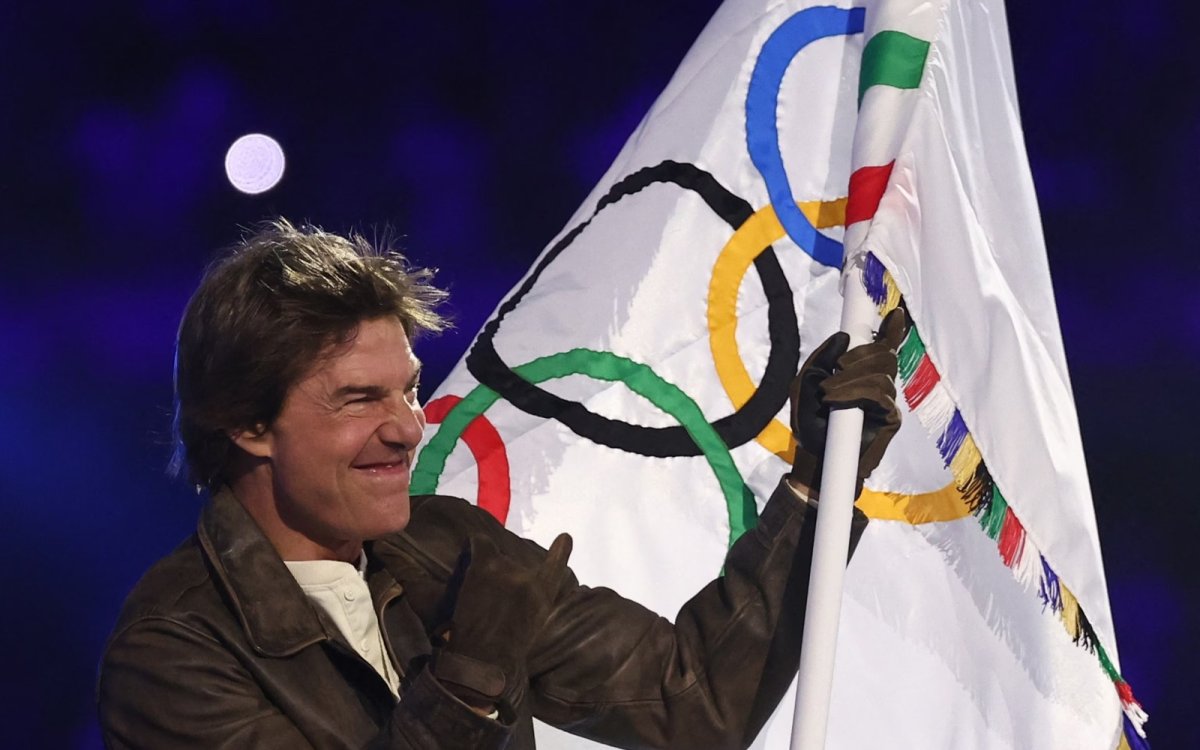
257	441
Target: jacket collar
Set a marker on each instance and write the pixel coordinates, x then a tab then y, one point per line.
273	610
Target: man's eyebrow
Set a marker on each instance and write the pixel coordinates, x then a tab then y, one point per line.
376	391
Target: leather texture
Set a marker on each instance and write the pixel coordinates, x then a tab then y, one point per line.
497	607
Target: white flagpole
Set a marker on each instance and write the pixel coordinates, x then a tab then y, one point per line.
832	538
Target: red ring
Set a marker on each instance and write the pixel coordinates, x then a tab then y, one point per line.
486	445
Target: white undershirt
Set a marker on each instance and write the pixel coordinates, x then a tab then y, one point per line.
339	590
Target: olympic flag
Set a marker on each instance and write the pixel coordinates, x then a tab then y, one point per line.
629	390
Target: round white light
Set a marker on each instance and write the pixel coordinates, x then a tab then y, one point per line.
254	163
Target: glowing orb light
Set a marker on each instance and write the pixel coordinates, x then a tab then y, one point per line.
254	163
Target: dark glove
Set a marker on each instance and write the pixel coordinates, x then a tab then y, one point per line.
834	378
496	607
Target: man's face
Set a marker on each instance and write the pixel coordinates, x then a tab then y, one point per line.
341	448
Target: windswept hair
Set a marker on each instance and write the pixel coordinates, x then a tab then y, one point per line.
264	312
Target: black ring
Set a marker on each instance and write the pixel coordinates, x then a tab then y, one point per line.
743	425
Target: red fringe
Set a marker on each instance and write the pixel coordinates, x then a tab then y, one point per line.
1125	692
922	382
1012	539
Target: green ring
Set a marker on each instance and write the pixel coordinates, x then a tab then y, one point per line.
639	378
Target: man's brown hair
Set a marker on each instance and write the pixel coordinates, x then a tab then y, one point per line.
263	314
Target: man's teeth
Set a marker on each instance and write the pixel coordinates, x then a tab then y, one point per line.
392	465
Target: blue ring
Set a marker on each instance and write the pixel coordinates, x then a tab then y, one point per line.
762	130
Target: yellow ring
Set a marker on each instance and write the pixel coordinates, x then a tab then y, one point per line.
945	504
751	238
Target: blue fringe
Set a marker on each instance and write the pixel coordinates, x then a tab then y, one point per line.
1049	589
872	274
952	439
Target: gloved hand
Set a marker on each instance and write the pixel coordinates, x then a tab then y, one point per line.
496	606
834	378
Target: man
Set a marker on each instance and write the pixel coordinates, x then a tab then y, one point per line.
318	605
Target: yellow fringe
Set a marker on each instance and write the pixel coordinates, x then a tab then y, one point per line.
1070	611
893	294
965	462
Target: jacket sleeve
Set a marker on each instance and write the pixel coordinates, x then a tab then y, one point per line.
609	669
166	684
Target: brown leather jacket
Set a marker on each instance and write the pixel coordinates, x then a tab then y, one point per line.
217	646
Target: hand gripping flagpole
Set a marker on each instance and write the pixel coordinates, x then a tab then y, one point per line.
832	537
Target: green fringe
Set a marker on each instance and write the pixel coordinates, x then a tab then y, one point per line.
992	519
1109	669
912	349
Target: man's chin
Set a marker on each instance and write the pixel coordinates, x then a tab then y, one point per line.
394	520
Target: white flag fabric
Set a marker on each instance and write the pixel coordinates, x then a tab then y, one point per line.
629	391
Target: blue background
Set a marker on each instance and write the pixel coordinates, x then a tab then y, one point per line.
476	129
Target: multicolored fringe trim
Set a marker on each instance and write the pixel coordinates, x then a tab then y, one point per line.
930	401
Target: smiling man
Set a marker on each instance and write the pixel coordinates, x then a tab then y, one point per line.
319	605
318	499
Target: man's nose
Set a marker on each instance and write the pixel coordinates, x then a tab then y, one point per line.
405	424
